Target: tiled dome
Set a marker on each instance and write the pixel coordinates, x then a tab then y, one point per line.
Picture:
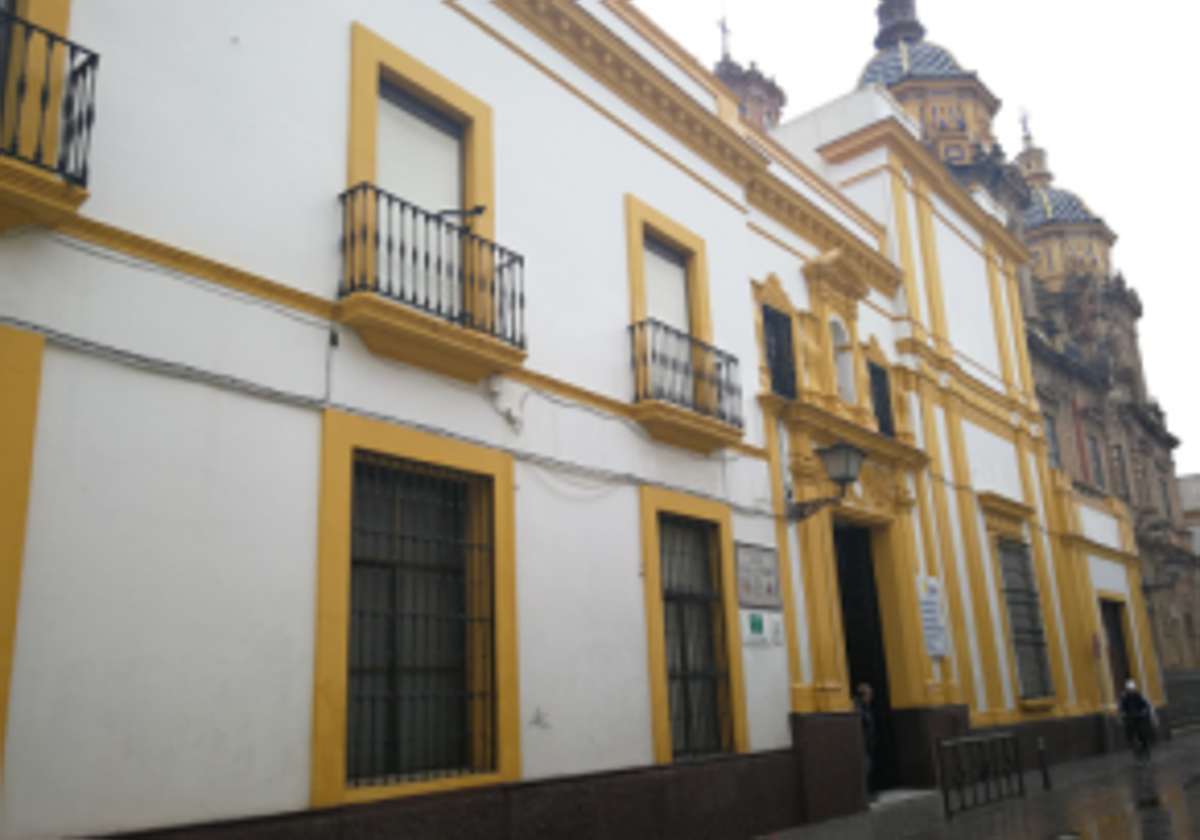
1053	206
904	60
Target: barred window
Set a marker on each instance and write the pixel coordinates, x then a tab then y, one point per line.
696	646
781	358
1025	621
881	397
421	673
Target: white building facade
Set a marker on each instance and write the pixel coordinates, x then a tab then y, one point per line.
401	405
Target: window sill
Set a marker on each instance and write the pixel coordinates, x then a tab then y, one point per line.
1040	705
407	335
405	789
30	196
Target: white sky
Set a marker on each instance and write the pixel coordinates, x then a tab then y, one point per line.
1110	86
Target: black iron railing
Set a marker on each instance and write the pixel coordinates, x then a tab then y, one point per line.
47	99
671	366
428	261
977	771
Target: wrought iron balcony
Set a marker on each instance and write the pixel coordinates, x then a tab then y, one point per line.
672	368
47	99
425	260
439	273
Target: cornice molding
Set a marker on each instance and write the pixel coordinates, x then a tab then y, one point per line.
567	27
890	134
798	214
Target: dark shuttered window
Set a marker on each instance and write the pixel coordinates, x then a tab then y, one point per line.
696	646
781	358
881	396
421	682
1025	621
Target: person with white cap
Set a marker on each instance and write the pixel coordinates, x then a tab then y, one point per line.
1135	712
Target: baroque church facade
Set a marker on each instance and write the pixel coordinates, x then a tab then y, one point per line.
1107	435
477	418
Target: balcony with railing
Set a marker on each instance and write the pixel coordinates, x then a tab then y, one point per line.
421	288
687	393
47	110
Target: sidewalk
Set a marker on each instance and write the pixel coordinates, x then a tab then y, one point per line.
1107	798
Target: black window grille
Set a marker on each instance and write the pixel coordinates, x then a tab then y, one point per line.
697	665
881	396
1025	621
781	357
1097	462
1052	441
421	675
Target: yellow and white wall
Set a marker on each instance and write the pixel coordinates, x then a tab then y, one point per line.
171	403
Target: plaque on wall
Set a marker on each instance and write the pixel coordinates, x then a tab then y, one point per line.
758	578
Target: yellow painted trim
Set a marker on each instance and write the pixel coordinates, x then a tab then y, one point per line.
775	240
972	539
341	435
1003	345
964	674
653	502
1142	656
904	236
640	219
933	269
20	384
167	256
1151	670
372	58
787	586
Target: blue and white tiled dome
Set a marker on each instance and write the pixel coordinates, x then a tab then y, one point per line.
1054	206
916	60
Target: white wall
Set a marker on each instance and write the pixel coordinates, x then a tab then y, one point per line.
164	656
585	696
968	299
1100	527
993	461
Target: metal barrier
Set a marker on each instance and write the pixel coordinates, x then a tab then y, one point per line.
979	771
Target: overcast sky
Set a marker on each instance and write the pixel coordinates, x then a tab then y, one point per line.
1110	87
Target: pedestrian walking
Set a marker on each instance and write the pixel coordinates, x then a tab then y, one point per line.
1136	714
862	702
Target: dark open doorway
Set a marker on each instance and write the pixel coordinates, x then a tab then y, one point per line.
1113	615
865	655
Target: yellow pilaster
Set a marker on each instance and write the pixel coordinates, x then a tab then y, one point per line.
20	384
786	584
1004	345
830	689
912	293
1020	342
958	684
1137	605
968	518
933	269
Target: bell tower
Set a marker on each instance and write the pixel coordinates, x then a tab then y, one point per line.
898	22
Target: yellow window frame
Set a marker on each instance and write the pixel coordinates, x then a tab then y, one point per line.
342	434
642	219
656	501
374	58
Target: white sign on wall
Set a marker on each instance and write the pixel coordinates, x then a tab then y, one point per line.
758	577
929	593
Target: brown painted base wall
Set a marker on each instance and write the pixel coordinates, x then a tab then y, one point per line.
733	798
723	799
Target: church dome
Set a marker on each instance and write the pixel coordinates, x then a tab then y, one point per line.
917	60
1050	206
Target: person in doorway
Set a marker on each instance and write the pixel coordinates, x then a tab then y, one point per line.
862	702
1135	714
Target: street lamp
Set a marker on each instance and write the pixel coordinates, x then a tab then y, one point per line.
843	463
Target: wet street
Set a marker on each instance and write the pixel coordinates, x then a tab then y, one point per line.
1110	798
